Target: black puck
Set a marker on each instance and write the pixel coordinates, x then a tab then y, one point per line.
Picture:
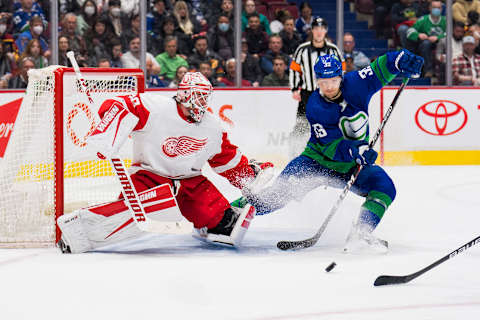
330	266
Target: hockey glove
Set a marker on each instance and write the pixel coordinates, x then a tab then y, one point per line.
409	64
263	174
361	153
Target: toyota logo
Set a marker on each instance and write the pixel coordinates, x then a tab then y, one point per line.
441	117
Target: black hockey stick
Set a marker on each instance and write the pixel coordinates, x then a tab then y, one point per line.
386	280
301	244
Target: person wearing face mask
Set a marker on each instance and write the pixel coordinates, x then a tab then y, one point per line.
35	31
117	19
87	17
461	8
425	33
24	14
9	47
220	38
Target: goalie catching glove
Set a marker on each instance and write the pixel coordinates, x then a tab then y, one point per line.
113	130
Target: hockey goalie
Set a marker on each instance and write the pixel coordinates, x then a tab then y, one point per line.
173	138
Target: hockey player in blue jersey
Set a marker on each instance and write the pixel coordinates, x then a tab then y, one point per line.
338	117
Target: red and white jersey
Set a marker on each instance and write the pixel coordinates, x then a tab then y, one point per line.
166	143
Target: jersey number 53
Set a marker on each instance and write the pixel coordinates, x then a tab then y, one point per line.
365	72
320	132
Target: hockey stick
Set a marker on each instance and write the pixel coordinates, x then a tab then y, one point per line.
386	280
301	244
128	190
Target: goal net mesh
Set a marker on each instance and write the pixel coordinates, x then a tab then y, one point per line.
52	124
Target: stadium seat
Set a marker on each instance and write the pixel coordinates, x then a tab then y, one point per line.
365	6
293	9
273	8
262	9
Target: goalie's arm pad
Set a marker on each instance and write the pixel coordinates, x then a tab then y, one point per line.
120	116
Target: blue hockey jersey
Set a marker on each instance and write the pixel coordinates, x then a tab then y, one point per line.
333	123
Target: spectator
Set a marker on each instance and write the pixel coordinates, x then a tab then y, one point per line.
184	44
24	14
9	46
472	25
34	51
63	48
153	80
229	79
159	13
34	31
360	60
66	6
99	41
349	64
116	54
169	61
206	69
103	63
134	30
276	26
226	10
221	38
457	48
404	15
186	25
87	17
5	68
131	58
461	8
291	39
466	66
274	50
278	78
425	34
179	73
250	9
20	81
116	18
130	7
201	53
382	10
77	43
304	22
198	9
251	70
257	38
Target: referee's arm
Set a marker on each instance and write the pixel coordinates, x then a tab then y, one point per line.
295	74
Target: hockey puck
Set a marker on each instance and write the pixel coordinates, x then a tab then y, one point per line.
330	266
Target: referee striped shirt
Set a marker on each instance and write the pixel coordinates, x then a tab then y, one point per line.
302	75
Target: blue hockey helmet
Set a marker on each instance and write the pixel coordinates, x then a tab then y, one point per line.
328	66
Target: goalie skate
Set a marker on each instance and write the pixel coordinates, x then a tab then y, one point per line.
361	239
241	222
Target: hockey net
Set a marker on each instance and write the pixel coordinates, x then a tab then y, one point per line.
47	169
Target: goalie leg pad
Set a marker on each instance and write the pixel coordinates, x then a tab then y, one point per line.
93	227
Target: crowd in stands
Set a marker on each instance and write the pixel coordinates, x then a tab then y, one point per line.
189	35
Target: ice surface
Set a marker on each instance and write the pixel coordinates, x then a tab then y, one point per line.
177	277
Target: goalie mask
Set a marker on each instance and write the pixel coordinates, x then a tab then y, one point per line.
193	93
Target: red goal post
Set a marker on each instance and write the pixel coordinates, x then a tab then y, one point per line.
47	168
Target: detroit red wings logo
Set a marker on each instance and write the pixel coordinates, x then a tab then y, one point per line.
182	146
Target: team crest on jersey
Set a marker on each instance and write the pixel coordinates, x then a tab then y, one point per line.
182	146
355	127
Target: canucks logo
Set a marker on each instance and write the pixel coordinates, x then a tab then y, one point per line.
354	127
327	63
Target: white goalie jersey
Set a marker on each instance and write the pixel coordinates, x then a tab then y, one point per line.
166	143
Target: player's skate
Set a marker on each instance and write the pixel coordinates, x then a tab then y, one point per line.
361	238
232	228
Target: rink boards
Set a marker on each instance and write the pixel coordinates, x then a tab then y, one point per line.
430	125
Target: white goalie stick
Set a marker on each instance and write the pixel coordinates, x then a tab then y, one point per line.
128	190
301	244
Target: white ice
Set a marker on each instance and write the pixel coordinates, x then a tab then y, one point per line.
176	277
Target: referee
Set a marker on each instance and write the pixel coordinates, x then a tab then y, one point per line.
303	81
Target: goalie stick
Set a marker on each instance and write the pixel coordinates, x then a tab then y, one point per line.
301	244
128	190
386	280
